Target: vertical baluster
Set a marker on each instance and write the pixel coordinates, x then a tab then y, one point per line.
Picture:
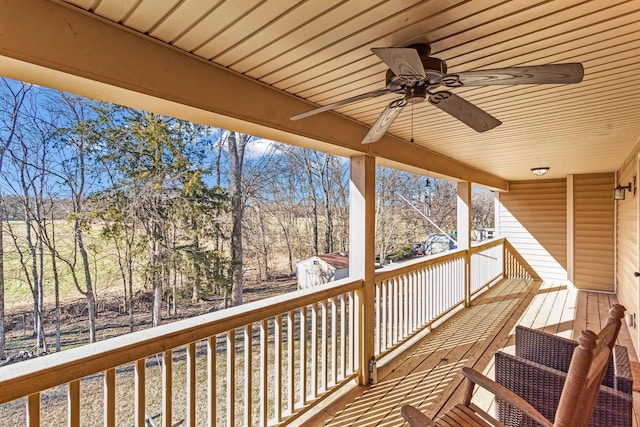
386	303
139	388
343	336
264	371
33	410
390	311
191	384
394	305
446	290
211	381
402	301
334	340
167	388
314	350
324	351
408	304
384	326
303	356
377	342
231	378
412	302
417	286
73	402
277	367
290	362
248	383
422	300
402	280
425	296
110	397
352	351
432	296
399	310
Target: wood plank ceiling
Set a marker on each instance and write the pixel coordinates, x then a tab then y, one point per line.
320	51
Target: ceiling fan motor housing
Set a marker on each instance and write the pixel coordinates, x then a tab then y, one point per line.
434	68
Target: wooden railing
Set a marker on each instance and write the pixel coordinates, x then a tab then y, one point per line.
257	364
515	265
411	297
263	363
487	264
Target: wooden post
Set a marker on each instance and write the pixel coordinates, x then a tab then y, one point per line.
362	255
464	234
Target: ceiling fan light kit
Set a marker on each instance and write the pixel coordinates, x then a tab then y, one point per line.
417	75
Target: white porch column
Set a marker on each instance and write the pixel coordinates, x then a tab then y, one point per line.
362	254
464	233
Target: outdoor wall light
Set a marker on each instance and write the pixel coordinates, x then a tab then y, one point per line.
540	171
618	192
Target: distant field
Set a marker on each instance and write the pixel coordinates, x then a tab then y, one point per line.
104	265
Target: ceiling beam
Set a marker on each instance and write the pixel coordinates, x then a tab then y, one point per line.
55	45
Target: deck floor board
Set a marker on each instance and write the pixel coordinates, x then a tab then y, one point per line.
429	376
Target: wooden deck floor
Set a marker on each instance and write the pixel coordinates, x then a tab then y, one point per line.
429	376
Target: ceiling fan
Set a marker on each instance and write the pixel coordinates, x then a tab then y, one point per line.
417	75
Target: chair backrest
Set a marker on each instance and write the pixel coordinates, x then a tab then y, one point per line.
588	366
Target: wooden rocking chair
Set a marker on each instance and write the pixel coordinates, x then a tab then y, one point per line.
586	371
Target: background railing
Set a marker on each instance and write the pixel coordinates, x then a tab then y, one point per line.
262	363
411	297
487	264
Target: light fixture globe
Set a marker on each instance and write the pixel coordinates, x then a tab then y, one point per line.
540	171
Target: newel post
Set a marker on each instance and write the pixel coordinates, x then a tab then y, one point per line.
362	255
464	234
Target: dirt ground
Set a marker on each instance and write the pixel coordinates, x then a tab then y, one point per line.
112	319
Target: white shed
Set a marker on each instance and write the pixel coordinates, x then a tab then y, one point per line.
321	269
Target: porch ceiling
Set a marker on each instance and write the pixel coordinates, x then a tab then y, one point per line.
319	51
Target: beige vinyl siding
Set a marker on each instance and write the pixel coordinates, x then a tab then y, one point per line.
594	233
533	217
627	247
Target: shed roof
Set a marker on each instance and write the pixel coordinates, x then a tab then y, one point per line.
336	259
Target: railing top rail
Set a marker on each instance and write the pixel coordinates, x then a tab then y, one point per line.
487	244
406	267
42	373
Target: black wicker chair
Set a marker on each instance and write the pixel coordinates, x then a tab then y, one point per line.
537	373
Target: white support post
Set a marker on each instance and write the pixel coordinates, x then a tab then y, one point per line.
464	234
362	255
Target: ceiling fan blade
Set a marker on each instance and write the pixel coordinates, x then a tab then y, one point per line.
536	74
340	103
384	120
403	61
464	111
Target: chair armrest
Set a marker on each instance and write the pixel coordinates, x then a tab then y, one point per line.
415	417
505	394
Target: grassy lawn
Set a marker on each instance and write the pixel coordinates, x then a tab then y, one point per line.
103	257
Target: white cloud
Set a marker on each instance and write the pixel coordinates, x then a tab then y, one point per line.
257	148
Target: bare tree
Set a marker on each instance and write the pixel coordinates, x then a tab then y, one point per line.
11	100
237	144
75	139
482	205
